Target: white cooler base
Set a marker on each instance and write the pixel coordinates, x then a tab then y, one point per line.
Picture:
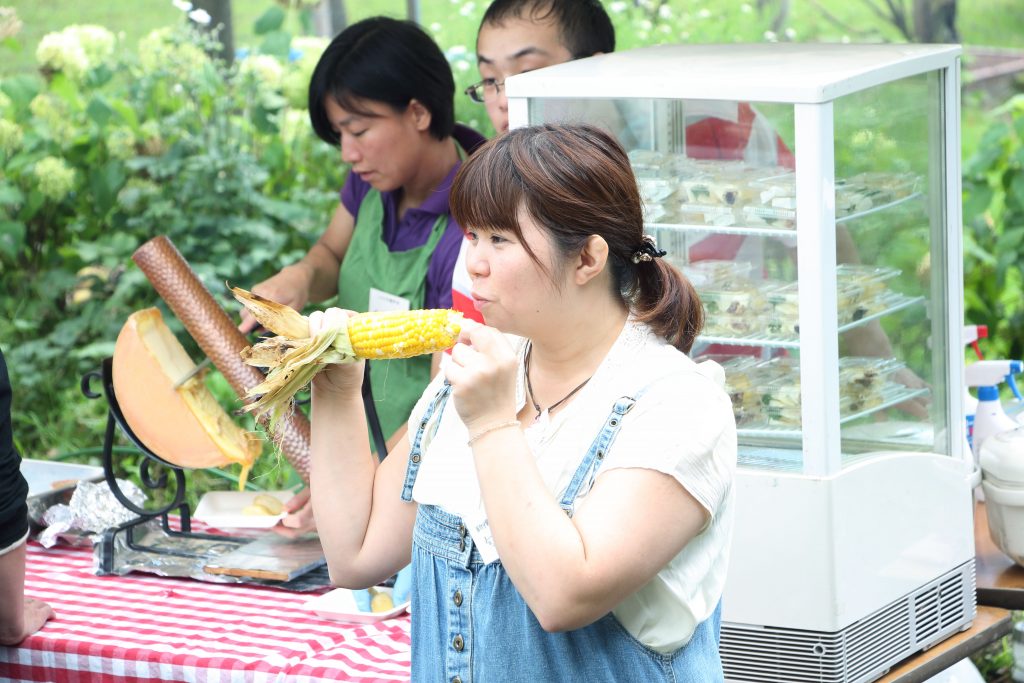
863	651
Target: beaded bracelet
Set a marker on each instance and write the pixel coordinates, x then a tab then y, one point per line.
492	428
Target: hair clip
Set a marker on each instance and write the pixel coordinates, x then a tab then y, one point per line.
647	251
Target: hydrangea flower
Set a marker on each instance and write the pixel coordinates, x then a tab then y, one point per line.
55	180
99	43
76	50
294	124
152	138
311	47
62	52
264	68
121	143
52	113
10	136
160	50
135	192
295	82
10	25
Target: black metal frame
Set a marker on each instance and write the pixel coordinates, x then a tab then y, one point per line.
146	476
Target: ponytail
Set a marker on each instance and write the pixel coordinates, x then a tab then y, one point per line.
666	300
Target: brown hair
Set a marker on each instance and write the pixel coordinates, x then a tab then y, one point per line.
575	181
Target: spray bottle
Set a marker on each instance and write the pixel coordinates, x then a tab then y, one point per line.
990	417
972	333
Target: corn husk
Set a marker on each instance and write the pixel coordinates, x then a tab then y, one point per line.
292	356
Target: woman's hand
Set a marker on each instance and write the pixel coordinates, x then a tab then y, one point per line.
299	519
483	376
289	287
917	406
35	614
336	378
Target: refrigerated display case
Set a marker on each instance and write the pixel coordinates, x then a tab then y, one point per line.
812	195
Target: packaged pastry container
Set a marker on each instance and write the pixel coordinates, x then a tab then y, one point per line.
768	216
740	297
709	214
655	190
718	272
646	163
860	375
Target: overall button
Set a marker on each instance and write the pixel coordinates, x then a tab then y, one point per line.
456	680
462	530
415	458
462	544
458	643
457	598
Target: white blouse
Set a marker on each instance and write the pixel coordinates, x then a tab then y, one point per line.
682	425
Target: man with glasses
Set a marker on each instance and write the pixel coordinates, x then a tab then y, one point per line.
516	36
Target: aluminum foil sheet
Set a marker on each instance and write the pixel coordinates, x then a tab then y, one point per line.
92	508
185	556
218	337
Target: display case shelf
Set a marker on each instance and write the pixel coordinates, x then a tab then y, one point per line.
881	207
725	229
892	395
763	231
784	460
891	301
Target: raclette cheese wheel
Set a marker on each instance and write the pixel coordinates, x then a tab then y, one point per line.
185	426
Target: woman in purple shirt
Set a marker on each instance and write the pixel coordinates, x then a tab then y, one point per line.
383	92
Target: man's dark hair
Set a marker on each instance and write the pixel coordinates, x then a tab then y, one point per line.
383	60
584	26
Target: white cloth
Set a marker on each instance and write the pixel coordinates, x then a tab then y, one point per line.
682	425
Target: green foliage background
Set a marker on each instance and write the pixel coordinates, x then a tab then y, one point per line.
155	138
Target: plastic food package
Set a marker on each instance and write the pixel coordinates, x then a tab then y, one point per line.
771	391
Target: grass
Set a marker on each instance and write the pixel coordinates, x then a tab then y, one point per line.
998	23
135	18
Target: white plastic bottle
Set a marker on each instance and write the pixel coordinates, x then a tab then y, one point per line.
989	416
971	335
970	410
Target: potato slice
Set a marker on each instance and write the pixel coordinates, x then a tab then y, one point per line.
272	504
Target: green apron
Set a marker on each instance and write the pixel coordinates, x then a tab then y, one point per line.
397	384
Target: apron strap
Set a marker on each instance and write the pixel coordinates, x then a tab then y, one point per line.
372	420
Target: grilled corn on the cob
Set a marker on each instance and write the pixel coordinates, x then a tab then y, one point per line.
294	357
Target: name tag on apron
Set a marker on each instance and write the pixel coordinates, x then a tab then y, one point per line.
385	301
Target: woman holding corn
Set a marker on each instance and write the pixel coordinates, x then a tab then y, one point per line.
383	93
565	490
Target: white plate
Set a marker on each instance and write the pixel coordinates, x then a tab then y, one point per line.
340	605
223	509
47	476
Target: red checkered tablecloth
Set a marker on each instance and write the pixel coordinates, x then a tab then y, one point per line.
142	628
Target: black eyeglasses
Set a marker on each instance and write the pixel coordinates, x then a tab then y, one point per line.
485	91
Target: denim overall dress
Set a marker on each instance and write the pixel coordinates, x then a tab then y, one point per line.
469	622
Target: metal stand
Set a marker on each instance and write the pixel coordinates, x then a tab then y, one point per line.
132	529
